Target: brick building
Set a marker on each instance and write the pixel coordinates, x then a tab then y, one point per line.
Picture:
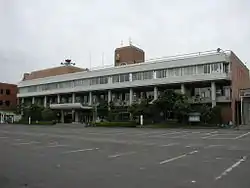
8	97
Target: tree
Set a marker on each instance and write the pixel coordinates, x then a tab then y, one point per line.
103	109
173	103
34	111
48	114
181	108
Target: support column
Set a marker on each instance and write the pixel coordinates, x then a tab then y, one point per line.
130	96
33	100
22	105
77	117
62	116
183	89
58	99
109	96
213	94
73	97
90	98
155	93
45	102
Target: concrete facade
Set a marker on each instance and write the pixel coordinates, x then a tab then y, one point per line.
208	77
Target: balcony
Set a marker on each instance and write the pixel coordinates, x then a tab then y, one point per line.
223	99
69	106
197	100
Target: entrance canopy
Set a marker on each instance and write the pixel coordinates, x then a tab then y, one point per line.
69	106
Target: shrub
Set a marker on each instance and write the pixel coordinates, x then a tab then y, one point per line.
116	124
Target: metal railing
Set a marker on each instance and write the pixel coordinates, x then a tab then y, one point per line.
168	58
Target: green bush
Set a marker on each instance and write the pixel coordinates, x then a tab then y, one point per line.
116	124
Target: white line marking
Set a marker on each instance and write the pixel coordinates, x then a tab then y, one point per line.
212	146
242	135
171	144
205	137
57	145
18	139
178	157
26	143
121	154
80	150
211	132
231	168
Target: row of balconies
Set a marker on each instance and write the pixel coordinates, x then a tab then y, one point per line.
118	102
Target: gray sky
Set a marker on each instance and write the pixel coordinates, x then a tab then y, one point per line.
39	34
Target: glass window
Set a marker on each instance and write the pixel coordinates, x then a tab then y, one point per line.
161	73
207	69
7	103
7	92
115	78
200	69
124	77
147	75
104	80
137	76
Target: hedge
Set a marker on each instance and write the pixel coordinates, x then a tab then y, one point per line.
116	124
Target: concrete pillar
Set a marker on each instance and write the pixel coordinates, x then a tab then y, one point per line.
130	77
155	93
213	94
62	116
73	97
109	96
154	75
130	96
33	100
58	99
90	98
76	117
45	102
183	89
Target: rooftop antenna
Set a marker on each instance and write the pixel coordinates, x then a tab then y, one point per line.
102	58
121	43
130	41
90	60
67	62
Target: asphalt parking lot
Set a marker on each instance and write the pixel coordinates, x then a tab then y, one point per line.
65	157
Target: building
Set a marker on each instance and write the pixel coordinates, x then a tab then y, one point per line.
211	77
8	100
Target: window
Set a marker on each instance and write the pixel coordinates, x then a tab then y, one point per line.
147	75
207	69
142	75
1	103
124	77
7	103
103	80
7	92
161	73
1	91
115	78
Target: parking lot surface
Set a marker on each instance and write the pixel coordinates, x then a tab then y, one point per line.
72	157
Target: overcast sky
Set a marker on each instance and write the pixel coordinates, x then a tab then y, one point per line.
36	34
